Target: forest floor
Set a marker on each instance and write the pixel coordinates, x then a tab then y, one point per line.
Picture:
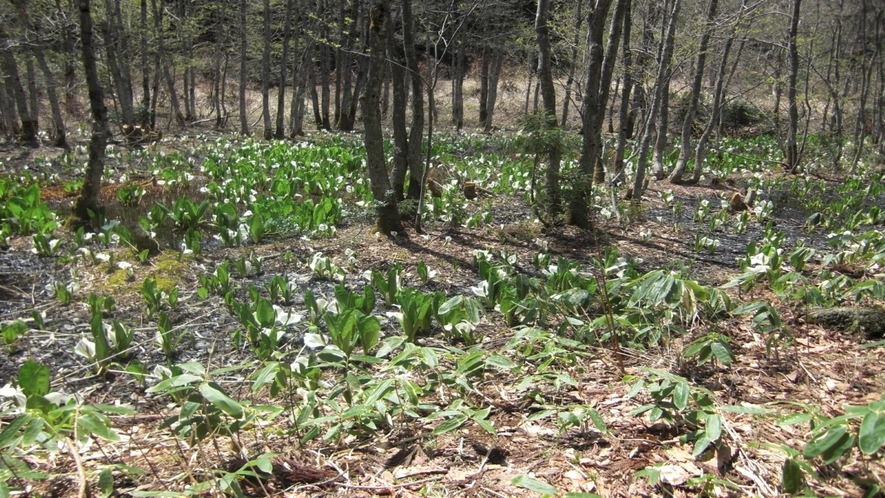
822	369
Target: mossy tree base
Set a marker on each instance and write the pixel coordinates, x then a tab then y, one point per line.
868	321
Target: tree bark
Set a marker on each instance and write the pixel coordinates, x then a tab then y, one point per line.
791	163
548	101
416	133
660	87
116	49
58	133
244	118
573	60
388	222
164	64
145	67
484	84
88	198
688	123
718	91
13	82
281	95
265	73
661	139
492	97
624	119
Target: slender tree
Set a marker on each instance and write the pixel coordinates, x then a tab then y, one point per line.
791	161
661	85
13	84
688	121
88	199
244	118
388	222
548	98
265	72
57	133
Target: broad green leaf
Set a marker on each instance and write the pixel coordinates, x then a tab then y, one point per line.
534	485
450	424
824	442
172	382
220	400
265	314
680	395
597	420
90	423
10	432
106	482
745	408
871	435
700	445
265	376
714	427
496	360
33	378
541	414
792	478
844	445
721	352
796	418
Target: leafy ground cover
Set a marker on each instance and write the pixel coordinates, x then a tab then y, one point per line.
275	346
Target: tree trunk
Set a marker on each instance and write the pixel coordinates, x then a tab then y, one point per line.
660	87
665	60
145	67
573	61
389	222
548	100
624	119
791	163
492	97
484	84
416	133
718	93
314	96
396	55
458	72
281	95
265	73
88	199
591	148
244	118
608	68
13	82
164	64
7	112
688	123
58	133
116	50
